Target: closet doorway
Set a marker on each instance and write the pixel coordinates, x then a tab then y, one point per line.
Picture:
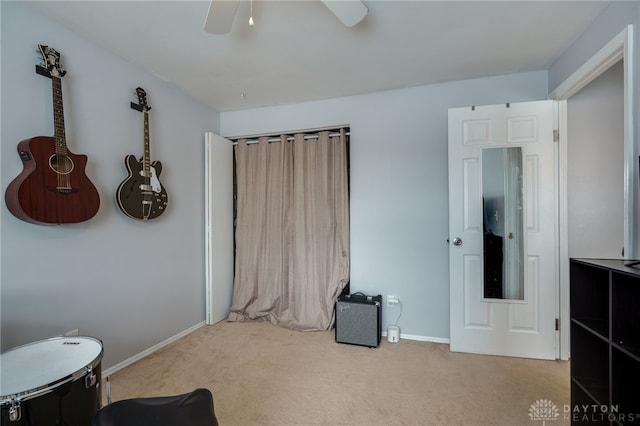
616	53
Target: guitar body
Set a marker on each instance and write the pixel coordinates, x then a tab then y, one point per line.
138	196
51	189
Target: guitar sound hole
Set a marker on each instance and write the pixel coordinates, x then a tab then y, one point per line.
61	164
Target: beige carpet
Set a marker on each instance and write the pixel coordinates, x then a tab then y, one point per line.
264	375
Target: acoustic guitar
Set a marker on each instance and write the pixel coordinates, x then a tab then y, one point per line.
141	195
52	187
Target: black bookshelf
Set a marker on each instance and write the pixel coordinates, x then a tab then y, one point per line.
605	342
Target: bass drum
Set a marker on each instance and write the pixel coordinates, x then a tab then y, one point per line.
51	382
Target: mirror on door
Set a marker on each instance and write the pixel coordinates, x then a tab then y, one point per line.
502	196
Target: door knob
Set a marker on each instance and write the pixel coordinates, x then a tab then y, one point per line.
457	241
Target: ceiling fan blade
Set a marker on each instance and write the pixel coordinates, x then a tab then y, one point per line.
349	12
220	16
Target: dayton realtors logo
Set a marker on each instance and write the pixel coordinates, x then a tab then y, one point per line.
583	413
545	410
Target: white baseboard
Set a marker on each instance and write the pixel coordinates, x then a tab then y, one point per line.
149	351
422	338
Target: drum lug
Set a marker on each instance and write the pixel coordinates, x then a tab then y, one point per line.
90	379
15	413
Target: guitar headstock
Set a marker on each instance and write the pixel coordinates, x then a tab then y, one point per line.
51	61
142	105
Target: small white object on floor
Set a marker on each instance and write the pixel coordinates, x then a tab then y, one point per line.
393	334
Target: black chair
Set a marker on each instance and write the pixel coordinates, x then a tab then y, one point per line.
191	409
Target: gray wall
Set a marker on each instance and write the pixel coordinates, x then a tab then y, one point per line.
399	190
132	284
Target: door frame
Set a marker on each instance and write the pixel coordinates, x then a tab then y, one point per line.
620	47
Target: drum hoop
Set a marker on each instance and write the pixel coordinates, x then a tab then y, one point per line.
49	387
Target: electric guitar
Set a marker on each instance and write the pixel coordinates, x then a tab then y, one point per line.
52	187
141	195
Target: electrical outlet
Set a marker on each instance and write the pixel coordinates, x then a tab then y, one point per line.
392	300
73	332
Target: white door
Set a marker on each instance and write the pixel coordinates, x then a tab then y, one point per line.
503	260
218	194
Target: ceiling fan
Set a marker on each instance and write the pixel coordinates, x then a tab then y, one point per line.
221	13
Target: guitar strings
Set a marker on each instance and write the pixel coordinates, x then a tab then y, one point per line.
147	203
60	155
63	162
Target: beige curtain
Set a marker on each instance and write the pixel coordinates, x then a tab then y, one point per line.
292	232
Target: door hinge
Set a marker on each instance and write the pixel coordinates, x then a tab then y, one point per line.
557	324
556	136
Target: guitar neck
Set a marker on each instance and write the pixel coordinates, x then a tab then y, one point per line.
146	157
58	117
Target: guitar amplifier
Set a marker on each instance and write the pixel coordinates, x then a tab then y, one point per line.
358	319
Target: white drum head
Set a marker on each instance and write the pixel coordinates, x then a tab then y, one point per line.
38	365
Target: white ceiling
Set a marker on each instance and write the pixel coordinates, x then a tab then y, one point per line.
298	51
